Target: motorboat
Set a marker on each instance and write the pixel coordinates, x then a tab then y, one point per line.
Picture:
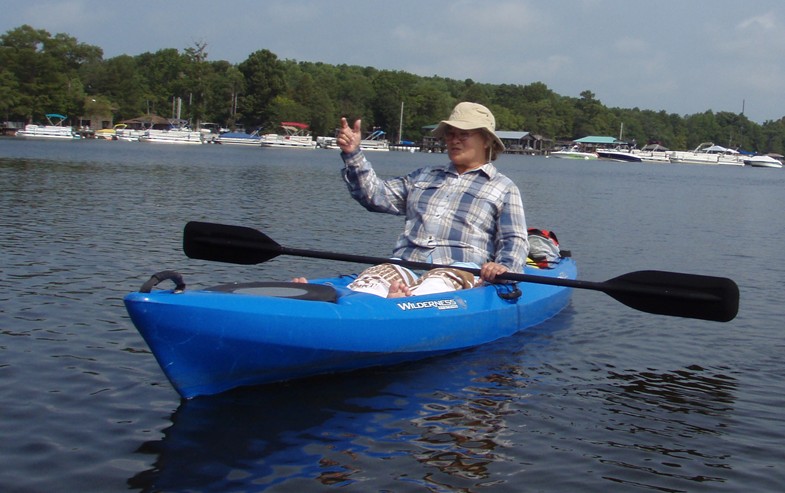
375	142
240	138
177	132
574	152
296	136
764	161
619	154
122	132
115	133
708	153
106	134
211	132
132	130
172	136
327	142
653	153
55	129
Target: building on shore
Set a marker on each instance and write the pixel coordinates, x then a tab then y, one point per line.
523	142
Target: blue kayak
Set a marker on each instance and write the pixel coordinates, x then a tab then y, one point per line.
211	340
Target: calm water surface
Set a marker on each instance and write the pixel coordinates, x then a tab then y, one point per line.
601	398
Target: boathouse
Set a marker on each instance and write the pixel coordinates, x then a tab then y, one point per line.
521	142
599	141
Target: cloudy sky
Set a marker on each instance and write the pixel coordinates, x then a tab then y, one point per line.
681	56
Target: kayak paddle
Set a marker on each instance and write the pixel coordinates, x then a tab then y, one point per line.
650	291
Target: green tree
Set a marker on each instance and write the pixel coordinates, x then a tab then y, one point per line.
476	93
9	93
223	86
264	81
44	71
428	103
196	81
165	74
773	136
283	109
391	88
120	80
703	127
355	92
323	97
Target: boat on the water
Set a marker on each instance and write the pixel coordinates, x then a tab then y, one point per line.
106	134
55	129
211	340
296	136
574	152
375	141
119	132
764	161
173	135
323	142
133	129
653	152
231	335
619	154
240	138
708	153
122	132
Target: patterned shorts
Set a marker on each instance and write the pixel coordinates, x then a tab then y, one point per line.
377	280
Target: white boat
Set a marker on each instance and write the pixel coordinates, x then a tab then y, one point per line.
122	132
327	142
55	129
132	130
708	153
763	162
172	136
211	132
114	133
375	142
573	153
239	138
653	153
296	136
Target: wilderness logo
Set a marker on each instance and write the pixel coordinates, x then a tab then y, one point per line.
448	304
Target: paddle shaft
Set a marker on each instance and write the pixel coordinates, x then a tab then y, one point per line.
507	276
658	292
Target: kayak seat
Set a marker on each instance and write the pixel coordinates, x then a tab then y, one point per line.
291	290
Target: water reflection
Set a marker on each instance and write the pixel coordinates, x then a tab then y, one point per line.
673	424
258	437
461	438
693	390
446	418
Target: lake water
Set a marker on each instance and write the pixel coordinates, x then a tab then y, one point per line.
600	398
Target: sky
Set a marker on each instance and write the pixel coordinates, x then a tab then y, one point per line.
678	56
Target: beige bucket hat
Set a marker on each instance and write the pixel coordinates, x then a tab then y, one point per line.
470	116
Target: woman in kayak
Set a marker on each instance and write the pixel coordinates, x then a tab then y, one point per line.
465	213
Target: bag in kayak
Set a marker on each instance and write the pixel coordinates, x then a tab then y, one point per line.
543	248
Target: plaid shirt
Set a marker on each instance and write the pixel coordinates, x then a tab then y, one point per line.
473	217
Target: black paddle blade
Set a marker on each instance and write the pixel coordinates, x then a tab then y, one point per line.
677	294
226	243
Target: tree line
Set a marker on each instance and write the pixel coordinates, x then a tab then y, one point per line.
41	73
